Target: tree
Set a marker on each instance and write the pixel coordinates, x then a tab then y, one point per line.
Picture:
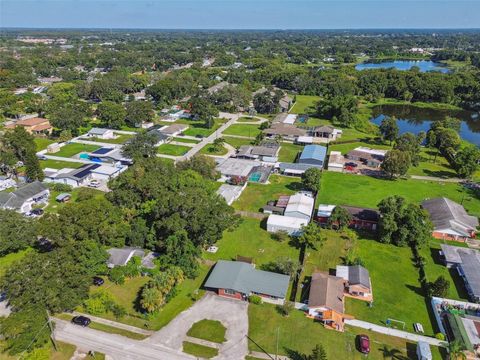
466	161
396	163
341	109
156	293
202	164
311	179
68	115
202	109
138	112
143	145
283	265
16	232
411	144
311	236
178	250
439	287
33	170
389	128
318	353
218	144
266	103
456	351
111	114
340	218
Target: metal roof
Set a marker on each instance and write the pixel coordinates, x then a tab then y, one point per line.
300	203
244	278
471	269
15	199
356	275
314	152
98	131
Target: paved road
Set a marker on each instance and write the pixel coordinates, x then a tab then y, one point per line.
231	313
394	332
118	347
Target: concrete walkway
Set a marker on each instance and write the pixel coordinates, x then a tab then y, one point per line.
394	332
432	178
97	143
115	324
60	158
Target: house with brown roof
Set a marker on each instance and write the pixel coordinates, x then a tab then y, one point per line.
326	300
34	126
287	131
326	132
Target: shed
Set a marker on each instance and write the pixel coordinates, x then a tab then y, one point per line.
300	206
291	225
63	197
313	155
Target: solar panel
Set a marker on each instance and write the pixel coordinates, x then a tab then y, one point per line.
102	151
86	170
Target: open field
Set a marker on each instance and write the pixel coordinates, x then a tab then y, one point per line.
237	142
304	104
174	150
251	240
243	130
198	128
209	149
357	190
57	164
210	330
397	293
42	143
298	335
72	149
185	140
255	196
288	152
432	164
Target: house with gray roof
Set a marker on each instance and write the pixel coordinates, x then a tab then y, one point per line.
313	155
260	152
121	257
450	220
25	197
238	280
467	263
357	281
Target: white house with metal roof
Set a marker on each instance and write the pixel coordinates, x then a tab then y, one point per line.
101	133
289	224
23	199
300	206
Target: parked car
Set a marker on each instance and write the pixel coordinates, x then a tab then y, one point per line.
36	212
94	183
364	344
81	320
41	157
352	164
98	281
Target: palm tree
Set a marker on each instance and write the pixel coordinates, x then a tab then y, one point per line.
456	351
391	353
218	144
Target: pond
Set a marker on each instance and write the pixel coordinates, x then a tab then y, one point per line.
414	119
424	65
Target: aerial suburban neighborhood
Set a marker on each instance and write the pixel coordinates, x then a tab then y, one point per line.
240	195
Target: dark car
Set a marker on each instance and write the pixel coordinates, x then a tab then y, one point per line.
98	281
364	344
37	212
81	320
352	164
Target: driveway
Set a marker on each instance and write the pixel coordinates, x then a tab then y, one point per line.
231	313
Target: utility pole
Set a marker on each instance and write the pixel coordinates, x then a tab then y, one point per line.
276	351
52	336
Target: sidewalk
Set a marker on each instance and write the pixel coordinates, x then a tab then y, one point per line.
394	332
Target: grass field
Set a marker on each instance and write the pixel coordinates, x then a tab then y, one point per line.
432	164
8	260
74	148
288	152
198	128
42	143
357	190
435	268
247	119
54	206
237	142
57	164
251	240
186	140
200	351
304	104
255	196
243	130
120	139
298	335
210	330
397	293
345	148
209	149
174	150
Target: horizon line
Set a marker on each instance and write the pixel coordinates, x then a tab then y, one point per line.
239	29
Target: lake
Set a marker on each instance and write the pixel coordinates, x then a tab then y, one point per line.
424	65
413	119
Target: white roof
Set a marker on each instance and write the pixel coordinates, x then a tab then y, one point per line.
325	210
305	139
99	131
290	119
106	170
342	272
286	221
237	167
230	192
371	151
300	203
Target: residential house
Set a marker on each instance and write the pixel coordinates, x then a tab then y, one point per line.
49	80
112	156
83	175
326	300
467	263
239	280
267	151
313	155
327	132
293	169
370	157
160	137
291	225
121	257
361	218
450	220
217	87
357	281
300	206
101	133
285	103
286	131
173	130
336	161
237	167
25	197
34	126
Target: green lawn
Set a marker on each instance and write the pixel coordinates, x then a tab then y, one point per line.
185	140
256	196
251	240
8	260
347	147
298	335
54	206
305	104
432	164
42	143
210	330
357	190
175	150
74	148
198	128
57	164
396	290
247	119
120	139
288	152
200	351
209	149
243	130
237	142
435	268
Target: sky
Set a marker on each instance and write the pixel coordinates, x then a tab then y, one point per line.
240	14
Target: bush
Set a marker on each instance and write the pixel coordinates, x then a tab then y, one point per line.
255	299
280	236
118	311
440	336
286	308
117	276
99	303
60	187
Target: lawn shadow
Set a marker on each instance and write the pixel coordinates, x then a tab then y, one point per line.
459	283
294	186
439	173
411	352
416	289
436	257
263	223
294	354
305	293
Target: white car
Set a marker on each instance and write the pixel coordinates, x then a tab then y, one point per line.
94	183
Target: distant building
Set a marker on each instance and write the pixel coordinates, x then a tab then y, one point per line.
450	220
286	131
173	130
24	198
327	132
267	150
34	126
370	157
313	155
101	133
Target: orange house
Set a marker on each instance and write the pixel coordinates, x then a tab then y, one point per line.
34	126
